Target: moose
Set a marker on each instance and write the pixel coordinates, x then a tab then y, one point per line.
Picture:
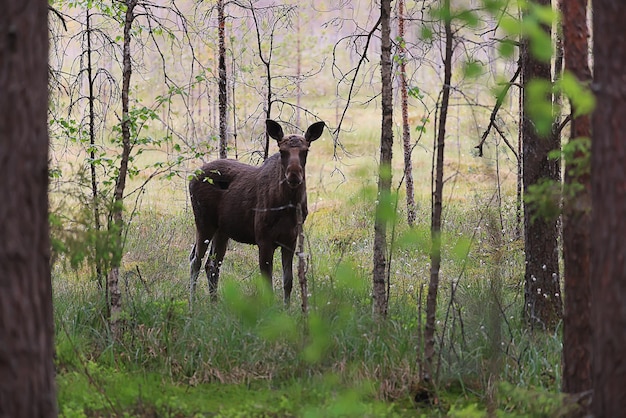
252	205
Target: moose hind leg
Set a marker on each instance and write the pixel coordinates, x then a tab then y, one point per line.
219	245
287	262
195	262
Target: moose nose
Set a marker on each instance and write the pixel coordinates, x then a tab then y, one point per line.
294	180
294	176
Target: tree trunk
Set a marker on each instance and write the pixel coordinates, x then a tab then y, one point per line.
542	293
298	67
437	203
115	295
519	184
576	216
234	104
222	80
92	154
406	129
384	172
27	386
608	186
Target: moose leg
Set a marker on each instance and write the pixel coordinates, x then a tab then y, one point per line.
195	262
266	262
214	262
287	262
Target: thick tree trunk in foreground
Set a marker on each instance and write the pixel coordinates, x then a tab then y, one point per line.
608	190
384	173
26	325
576	217
542	293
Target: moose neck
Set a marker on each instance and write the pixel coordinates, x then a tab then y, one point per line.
292	195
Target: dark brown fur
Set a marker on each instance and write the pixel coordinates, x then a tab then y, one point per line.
253	205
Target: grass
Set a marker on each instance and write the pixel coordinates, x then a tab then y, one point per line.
338	361
151	395
248	355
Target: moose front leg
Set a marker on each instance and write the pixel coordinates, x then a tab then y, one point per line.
266	262
287	262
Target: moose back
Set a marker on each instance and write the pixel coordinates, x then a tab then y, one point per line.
253	205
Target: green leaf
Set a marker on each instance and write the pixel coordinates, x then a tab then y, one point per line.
511	25
279	326
543	14
541	45
415	92
494	6
461	248
472	69
538	105
319	339
506	48
415	238
442	13
544	198
577	156
469	17
500	89
583	100
347	279
250	308
422	128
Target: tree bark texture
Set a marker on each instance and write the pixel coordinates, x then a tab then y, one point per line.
437	204
406	128
27	386
608	192
298	67
92	153
222	97
384	173
577	217
542	293
519	186
115	295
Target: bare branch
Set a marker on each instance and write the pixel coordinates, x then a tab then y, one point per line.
492	118
362	59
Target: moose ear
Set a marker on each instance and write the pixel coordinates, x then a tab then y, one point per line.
274	129
314	131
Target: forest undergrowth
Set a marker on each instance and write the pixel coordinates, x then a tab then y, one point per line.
248	355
